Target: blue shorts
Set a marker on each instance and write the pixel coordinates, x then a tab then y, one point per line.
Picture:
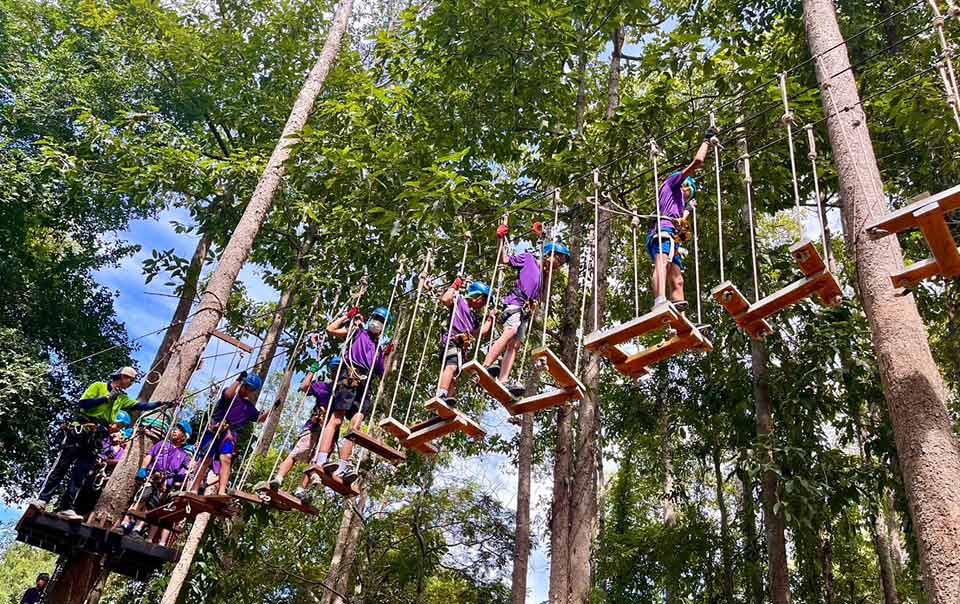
221	446
668	246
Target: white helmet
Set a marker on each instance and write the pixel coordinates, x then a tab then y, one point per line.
130	372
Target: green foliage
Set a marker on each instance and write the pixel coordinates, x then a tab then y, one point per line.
19	569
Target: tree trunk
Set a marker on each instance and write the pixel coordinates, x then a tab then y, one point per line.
178	577
894	538
667	510
751	554
826	566
271	341
583	496
176	375
269	431
726	552
773	521
913	387
881	546
345	551
521	556
170	337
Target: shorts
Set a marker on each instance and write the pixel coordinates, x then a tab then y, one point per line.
515	317
454	357
151	496
345	400
221	445
305	446
667	244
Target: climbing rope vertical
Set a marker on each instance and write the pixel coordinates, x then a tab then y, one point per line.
493	278
748	183
553	239
715	142
421	285
821	215
661	274
788	121
947	74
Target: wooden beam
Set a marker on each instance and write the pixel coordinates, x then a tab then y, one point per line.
494	388
806	255
232	341
284	501
788	296
402	433
561	374
334	483
441	409
660	317
246	497
910	276
638	364
904	219
436	431
939	239
376	446
547	400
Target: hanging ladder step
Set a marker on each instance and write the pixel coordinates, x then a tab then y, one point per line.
286	502
442	410
546	400
436	430
561	374
728	296
494	388
933	225
639	364
232	341
660	317
909	277
334	483
376	446
402	433
246	497
904	219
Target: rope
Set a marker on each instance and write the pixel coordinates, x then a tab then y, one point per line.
553	239
696	263
788	121
453	312
821	216
378	350
748	183
421	284
493	278
596	230
948	75
634	224
416	379
716	163
586	276
661	275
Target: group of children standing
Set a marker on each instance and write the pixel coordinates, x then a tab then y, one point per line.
342	389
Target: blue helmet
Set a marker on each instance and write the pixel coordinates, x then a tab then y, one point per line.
556	248
690	182
333	363
253	381
189	449
128	433
478	288
186	427
383	313
123	418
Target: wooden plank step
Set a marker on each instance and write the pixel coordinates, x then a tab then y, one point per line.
376	446
395	428
639	364
829	293
334	483
436	431
910	276
788	296
402	433
934	227
441	409
734	302
246	497
547	400
430	421
807	257
232	341
660	317
561	374
494	388
904	219
285	502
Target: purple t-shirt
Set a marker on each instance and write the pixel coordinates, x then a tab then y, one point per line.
111	452
238	411
364	353
671	201
321	392
169	459
528	280
465	321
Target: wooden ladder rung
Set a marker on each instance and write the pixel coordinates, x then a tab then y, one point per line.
807	257
395	428
788	296
436	431
441	409
660	317
376	446
232	341
402	433
736	305
334	483
246	497
284	501
934	227
494	388
560	372
910	276
547	400
904	219
638	364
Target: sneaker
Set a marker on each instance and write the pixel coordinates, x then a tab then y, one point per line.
331	467
70	515
516	389
451	402
261	486
660	302
349	476
681	305
706	330
37	503
494	371
305	496
315	481
275	484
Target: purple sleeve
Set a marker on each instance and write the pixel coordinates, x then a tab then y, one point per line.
674	181
155	449
519	260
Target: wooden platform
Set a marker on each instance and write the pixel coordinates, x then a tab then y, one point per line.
683	336
246	497
402	434
929	216
546	400
128	556
494	388
376	446
440	409
334	483
185	505
286	502
561	374
232	341
817	282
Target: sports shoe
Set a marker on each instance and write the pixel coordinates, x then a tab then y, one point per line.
450	401
494	371
349	476
331	467
37	503
275	484
681	305
516	389
70	515
305	496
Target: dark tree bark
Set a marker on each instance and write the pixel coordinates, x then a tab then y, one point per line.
726	549
751	553
927	447
340	576
521	556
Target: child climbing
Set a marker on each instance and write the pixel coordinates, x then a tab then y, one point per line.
162	471
318	383
466	324
519	306
665	241
83	437
233	412
353	392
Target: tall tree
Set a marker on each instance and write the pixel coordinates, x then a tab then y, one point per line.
913	387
